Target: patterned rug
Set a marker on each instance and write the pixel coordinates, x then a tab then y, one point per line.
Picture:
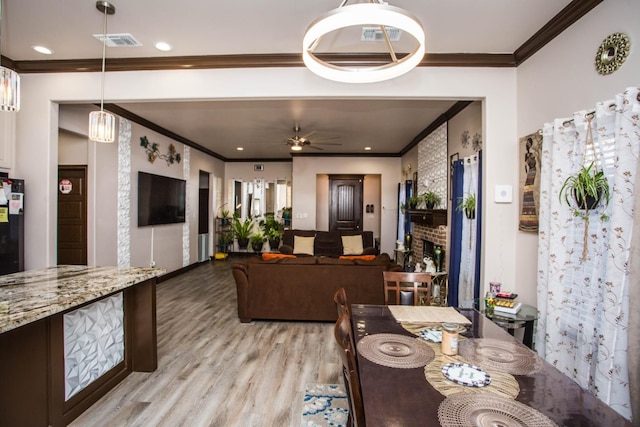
325	405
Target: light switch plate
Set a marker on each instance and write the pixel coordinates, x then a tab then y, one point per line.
503	194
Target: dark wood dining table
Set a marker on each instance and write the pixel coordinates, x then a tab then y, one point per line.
400	397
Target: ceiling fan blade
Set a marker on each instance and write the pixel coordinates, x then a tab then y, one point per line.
308	135
327	143
314	147
328	138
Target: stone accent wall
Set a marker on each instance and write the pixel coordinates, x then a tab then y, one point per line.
437	235
433	164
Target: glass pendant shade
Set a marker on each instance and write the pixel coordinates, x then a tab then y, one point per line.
9	90
102	126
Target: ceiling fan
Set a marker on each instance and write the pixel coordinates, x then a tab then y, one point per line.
297	142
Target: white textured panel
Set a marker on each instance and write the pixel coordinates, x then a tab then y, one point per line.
186	165
433	164
93	342
124	194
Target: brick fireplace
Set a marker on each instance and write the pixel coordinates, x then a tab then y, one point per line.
436	235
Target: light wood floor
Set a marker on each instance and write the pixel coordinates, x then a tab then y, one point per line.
214	370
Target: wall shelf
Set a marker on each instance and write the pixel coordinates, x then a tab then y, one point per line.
430	217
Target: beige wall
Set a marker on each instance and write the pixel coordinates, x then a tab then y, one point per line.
559	80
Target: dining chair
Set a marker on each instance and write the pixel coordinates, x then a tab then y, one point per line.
342	305
344	336
397	282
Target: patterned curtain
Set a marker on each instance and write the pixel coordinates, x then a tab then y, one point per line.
583	296
467	275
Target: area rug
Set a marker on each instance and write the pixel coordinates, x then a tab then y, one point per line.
325	405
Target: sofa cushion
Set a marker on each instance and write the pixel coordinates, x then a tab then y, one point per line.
328	243
298	260
303	245
334	261
352	245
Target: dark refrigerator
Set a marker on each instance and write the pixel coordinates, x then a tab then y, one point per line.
11	225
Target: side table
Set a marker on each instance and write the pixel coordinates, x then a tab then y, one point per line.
525	318
402	257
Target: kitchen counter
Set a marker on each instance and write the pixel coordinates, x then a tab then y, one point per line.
68	335
32	295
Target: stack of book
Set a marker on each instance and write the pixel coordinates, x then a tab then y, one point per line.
507	304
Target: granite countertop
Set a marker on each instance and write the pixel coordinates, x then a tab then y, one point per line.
32	295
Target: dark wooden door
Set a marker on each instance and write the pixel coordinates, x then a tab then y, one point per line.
345	209
72	215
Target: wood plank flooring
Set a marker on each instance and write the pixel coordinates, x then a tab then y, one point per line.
214	370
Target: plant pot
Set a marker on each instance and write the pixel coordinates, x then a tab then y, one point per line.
225	221
413	205
257	247
243	243
274	244
591	202
431	205
470	213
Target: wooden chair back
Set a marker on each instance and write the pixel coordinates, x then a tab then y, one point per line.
344	336
397	281
342	305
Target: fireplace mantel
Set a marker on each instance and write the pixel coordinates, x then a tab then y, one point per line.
429	217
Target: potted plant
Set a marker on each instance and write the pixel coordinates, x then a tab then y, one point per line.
257	241
586	191
272	230
467	205
242	230
413	202
224	216
431	199
225	240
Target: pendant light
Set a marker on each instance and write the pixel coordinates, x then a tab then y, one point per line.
9	85
374	13
102	124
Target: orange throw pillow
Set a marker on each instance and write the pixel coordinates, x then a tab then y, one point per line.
362	257
268	256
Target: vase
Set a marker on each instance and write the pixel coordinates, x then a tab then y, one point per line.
407	241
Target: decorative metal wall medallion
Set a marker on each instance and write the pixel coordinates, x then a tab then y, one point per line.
612	53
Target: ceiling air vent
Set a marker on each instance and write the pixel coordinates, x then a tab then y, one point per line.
119	40
374	34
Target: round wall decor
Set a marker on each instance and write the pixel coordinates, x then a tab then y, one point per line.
612	53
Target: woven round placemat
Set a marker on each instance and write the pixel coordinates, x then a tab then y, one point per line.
502	383
395	351
486	410
505	356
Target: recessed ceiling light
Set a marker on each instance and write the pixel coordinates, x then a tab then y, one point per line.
43	50
367	148
164	46
239	148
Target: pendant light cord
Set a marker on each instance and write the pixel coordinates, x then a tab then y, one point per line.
104	54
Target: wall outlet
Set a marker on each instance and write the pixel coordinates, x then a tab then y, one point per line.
153	264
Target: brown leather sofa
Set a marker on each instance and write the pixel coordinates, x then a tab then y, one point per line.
302	288
328	243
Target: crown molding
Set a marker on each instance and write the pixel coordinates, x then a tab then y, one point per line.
563	20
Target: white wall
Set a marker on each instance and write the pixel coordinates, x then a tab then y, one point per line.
561	79
36	147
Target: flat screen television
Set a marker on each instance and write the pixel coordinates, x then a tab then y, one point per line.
161	199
